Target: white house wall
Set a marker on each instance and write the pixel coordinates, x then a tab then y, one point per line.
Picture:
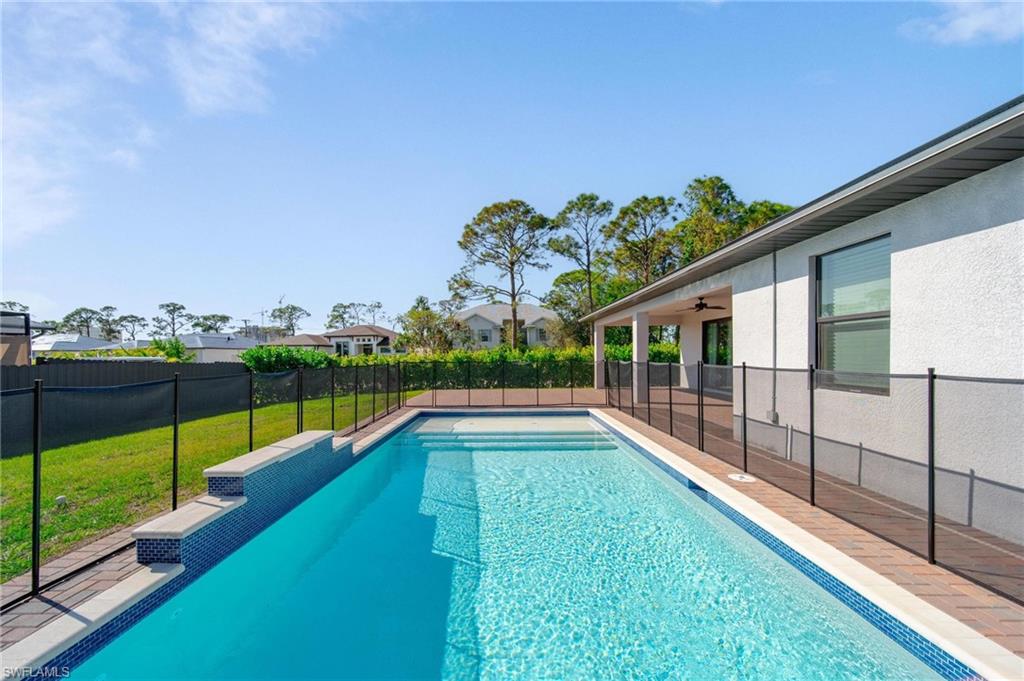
957	296
477	323
957	304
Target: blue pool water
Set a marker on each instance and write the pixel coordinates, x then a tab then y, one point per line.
498	548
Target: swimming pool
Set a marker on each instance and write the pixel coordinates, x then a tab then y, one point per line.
500	547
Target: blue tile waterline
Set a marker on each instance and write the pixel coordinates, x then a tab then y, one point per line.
454	501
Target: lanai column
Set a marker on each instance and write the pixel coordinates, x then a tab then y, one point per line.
599	356
641	332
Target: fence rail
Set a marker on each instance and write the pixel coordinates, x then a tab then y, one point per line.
930	462
98	372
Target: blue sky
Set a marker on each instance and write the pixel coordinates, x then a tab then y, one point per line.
224	156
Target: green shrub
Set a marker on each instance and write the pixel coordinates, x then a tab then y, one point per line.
271	358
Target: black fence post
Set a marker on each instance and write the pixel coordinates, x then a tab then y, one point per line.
607	381
355	398
743	423
401	387
632	388
700	405
469	383
177	423
298	400
252	396
931	465
373	394
433	383
671	414
618	384
503	362
37	473
387	389
536	382
572	384
810	448
647	381
332	395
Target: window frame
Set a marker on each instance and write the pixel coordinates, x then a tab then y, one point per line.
704	324
480	335
817	351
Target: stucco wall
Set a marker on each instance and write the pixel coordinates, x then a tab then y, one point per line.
957	304
218	355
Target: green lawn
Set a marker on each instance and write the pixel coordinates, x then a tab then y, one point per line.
117	481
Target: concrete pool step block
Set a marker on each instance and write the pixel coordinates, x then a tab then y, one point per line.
160	540
167	539
227	479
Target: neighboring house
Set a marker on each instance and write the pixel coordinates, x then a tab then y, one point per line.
65	342
15	338
362	339
310	341
216	347
127	345
916	264
486	322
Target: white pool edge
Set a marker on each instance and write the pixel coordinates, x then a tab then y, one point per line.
25	656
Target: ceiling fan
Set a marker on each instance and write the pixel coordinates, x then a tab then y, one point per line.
701	305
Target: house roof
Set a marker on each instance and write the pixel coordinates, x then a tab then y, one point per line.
499	313
361	330
66	342
303	339
216	341
981	144
127	345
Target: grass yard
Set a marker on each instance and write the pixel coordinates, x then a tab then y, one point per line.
118	481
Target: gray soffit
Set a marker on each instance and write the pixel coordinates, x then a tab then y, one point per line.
990	140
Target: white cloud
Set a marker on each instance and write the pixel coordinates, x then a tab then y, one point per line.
971	23
218	64
71	71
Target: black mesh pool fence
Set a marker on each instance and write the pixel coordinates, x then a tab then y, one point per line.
932	463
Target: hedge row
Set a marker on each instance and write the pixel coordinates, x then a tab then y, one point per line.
268	358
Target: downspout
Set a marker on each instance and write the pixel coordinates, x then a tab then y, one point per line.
774	415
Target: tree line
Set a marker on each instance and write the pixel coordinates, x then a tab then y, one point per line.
614	253
173	320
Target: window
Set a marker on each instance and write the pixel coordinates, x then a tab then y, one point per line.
484	335
853	316
542	334
717	335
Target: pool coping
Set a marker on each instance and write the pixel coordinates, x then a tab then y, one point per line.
24	657
951	636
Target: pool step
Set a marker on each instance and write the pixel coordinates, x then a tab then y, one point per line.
508	436
524	446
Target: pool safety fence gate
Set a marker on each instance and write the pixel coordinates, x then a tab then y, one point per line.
930	462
